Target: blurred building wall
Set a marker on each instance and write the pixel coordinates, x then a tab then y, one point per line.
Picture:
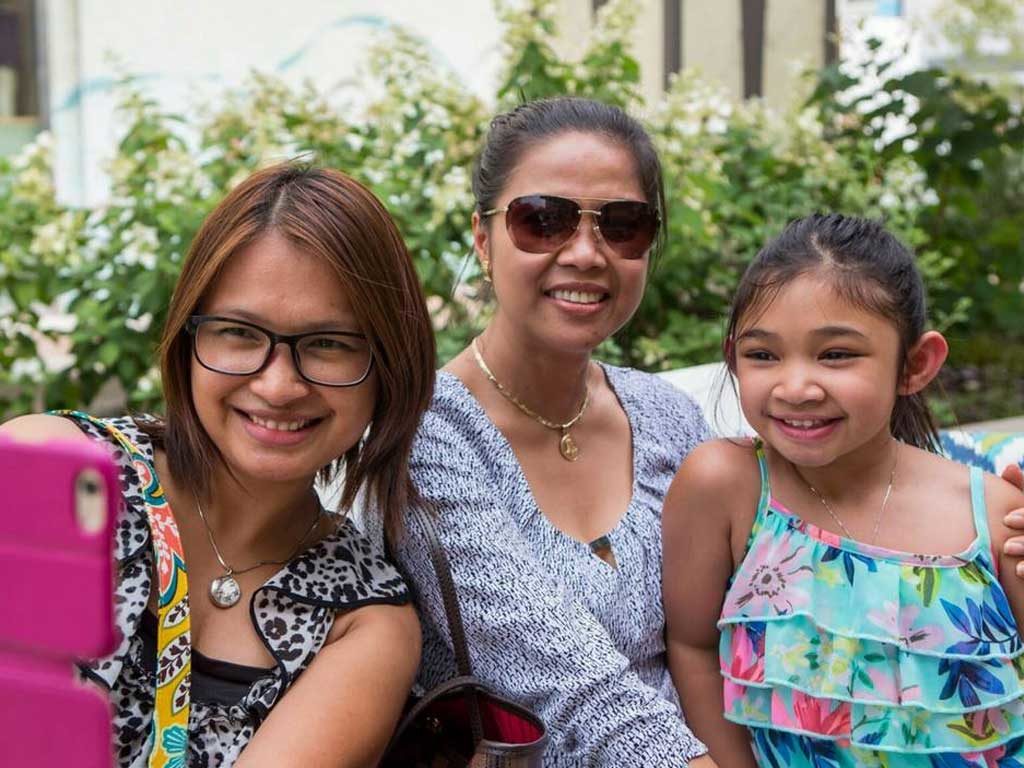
708	35
188	51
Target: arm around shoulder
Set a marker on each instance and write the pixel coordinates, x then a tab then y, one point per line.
343	709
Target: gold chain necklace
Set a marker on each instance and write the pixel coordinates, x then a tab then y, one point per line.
225	590
881	509
567	445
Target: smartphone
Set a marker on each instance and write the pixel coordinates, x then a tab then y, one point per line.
58	504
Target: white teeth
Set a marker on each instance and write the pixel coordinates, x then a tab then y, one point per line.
280	426
803	423
577	297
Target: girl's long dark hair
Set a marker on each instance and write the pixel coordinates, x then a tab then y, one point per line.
867	266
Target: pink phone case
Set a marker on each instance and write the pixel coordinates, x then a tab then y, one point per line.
56	601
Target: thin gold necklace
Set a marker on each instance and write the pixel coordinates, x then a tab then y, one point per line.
567	445
225	590
881	509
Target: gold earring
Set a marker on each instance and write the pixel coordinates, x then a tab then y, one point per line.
487	270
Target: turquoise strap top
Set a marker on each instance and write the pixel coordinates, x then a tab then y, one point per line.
873	648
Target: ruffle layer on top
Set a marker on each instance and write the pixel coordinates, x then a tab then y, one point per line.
938	669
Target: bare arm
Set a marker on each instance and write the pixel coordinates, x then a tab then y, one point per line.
40	427
341	712
698	560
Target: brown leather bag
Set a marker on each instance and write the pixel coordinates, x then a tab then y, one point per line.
462	723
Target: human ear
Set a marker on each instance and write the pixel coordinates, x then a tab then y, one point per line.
924	360
481	244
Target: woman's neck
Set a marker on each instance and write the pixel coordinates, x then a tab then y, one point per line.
257	518
551	382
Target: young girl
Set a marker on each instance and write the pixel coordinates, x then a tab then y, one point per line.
837	573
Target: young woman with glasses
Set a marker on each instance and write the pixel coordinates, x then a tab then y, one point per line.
297	346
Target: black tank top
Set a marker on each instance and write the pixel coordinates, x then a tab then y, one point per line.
213	681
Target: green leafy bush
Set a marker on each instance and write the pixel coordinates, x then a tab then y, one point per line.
83	293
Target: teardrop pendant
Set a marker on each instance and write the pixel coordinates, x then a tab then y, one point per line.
568	448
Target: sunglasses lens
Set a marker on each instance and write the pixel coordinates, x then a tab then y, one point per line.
541	223
629	227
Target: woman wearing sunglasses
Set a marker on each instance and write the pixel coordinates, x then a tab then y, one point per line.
547	469
297	345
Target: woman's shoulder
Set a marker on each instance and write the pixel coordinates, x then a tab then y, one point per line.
664	418
122	433
343	570
651	393
455	421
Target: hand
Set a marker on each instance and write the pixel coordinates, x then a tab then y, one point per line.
704	761
1013	474
1015	546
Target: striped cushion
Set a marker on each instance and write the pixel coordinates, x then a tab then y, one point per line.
992	451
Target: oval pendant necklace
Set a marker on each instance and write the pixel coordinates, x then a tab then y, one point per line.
225	590
567	444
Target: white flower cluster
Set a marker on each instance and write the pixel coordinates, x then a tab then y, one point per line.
525	22
252	128
33	167
685	125
904	185
139	246
57	240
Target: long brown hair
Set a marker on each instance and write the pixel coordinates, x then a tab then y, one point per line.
332	216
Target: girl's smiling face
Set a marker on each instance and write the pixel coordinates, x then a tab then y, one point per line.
817	375
252	419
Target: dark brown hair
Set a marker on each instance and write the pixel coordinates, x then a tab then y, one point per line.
867	266
332	216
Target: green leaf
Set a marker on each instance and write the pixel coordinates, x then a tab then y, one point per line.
108	353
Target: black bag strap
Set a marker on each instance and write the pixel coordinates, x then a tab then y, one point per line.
449	595
453	614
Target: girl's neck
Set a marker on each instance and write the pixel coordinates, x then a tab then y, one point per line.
872	465
551	382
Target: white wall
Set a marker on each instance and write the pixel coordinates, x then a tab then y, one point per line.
189	50
710	386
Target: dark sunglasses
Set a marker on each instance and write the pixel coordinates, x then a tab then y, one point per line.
544	223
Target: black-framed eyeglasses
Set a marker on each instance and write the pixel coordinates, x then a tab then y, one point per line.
544	223
240	348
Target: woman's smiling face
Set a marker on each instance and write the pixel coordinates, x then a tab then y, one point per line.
577	296
274	425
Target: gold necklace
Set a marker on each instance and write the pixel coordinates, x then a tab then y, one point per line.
567	445
225	590
881	509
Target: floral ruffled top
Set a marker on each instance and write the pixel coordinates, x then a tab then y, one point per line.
837	653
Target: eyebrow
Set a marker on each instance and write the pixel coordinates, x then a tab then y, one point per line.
827	331
332	324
